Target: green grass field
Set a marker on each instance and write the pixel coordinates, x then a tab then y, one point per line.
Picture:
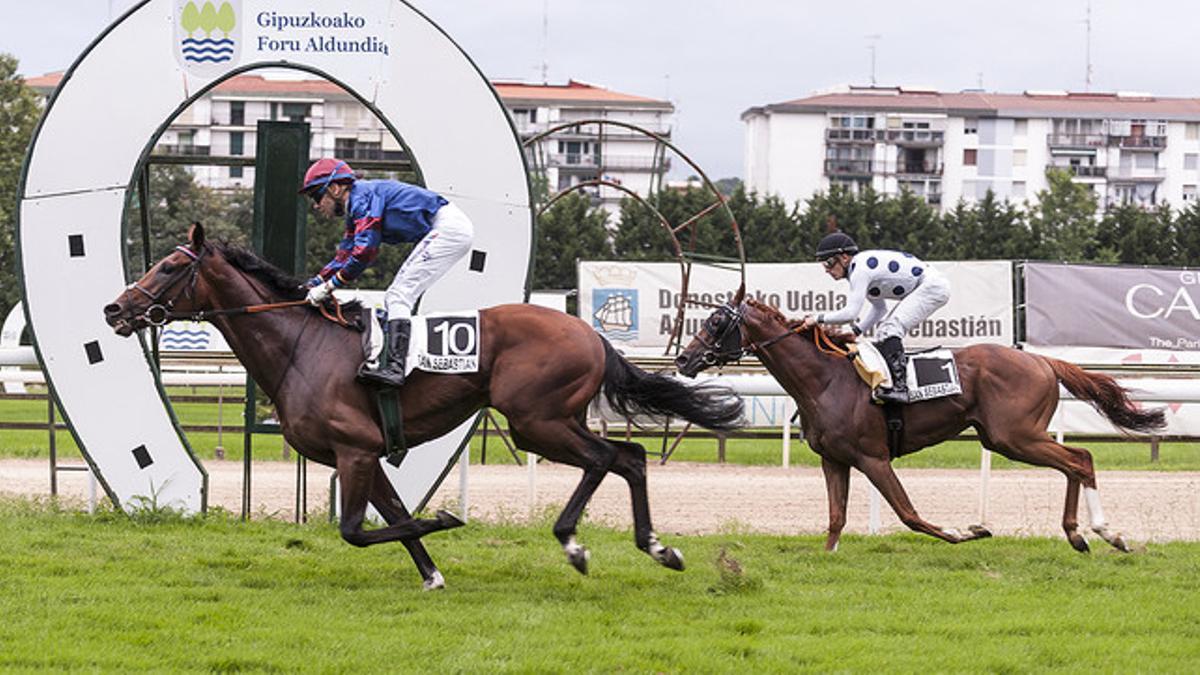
1129	456
155	591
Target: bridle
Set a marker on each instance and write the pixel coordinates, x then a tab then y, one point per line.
726	344
159	314
718	352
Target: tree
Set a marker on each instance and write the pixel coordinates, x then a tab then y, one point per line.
1130	234
1186	233
175	201
570	230
770	231
19	113
1063	223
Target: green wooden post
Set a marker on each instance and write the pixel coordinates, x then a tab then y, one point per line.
280	216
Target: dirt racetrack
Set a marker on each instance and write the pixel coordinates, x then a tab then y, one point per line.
691	498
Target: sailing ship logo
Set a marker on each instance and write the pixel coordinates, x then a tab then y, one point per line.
208	35
616	312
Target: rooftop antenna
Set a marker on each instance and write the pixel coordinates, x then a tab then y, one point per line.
979	80
1087	81
874	37
545	41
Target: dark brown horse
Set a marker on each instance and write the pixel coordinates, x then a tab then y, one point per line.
1008	397
538	367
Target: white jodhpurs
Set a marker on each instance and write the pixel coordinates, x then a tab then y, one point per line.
433	256
933	292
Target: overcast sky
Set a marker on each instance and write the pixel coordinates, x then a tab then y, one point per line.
714	59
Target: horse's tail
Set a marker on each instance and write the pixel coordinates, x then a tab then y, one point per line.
631	391
1106	396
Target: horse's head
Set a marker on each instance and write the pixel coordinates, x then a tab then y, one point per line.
169	287
718	341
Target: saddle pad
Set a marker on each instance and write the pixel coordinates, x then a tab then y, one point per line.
440	343
932	374
871	366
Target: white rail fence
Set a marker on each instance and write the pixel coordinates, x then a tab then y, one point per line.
19	365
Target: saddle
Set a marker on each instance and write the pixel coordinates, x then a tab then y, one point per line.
440	343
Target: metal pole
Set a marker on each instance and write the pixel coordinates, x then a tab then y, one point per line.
464	460
53	445
985	473
873	519
531	463
219	451
246	437
787	433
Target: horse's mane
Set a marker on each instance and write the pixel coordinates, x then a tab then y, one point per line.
286	285
841	338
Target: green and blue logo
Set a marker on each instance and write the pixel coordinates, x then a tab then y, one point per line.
208	34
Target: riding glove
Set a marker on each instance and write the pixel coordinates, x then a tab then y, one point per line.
317	294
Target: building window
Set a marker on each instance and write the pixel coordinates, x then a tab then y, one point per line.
1189	161
1018	189
970	125
1192	131
521	115
237	113
970	156
296	112
237	143
1020	127
1145	160
1019	157
235	172
1189	193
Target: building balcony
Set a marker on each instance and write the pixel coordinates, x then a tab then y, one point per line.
919	168
182	149
526	129
570	160
849	167
1140	142
370	154
1081	170
1084	141
853	135
1132	175
915	136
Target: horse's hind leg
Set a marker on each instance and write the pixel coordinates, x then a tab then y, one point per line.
837	487
880	473
387	503
567	442
1076	464
631	465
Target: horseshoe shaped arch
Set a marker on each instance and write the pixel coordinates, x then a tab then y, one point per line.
69	231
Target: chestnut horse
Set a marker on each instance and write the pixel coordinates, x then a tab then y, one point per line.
1008	396
538	367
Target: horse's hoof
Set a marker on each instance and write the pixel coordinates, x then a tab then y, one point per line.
1078	542
1118	543
435	582
448	520
670	558
579	557
980	532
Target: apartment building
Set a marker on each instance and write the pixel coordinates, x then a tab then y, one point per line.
1126	147
223	123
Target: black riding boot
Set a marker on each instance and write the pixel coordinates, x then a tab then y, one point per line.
391	372
893	352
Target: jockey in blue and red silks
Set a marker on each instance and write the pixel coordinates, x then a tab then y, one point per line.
386	212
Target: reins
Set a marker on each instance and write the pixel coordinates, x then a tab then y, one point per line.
159	314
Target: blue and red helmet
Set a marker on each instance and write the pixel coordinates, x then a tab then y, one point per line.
323	172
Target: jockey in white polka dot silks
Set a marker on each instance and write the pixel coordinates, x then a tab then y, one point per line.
877	276
386	212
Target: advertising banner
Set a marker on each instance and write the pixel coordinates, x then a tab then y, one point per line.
635	305
1108	306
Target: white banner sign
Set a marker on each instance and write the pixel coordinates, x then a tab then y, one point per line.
634	304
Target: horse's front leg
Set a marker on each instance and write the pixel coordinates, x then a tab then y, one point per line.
356	475
837	487
385	500
880	473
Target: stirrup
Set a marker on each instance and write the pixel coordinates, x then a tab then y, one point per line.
890	395
383	376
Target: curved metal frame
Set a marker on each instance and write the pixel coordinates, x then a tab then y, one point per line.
685	257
